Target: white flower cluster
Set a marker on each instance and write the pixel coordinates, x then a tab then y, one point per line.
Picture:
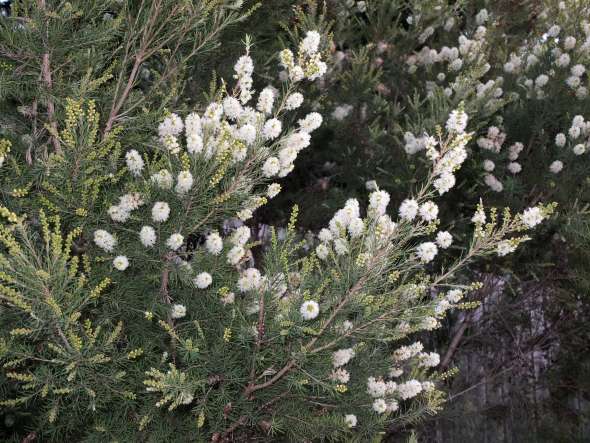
309	63
347	225
127	203
230	128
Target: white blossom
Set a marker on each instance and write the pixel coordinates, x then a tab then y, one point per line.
342	357
408	209
134	162
203	280
184	182
160	212
175	241
178	311
309	310
121	263
426	251
147	236
350	420
556	166
444	239
104	240
250	279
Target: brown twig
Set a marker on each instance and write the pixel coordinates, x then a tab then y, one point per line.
165	296
46	78
259	336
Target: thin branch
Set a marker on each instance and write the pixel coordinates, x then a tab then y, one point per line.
166	299
46	78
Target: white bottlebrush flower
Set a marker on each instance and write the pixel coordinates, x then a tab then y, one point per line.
569	43
428	386
311	122
409	389
266	100
175	241
272	129
376	388
340	375
325	235
494	184
244	66
426	251
247	134
579	149
134	162
104	240
428	211
479	217
298	140
429	323
531	217
356	227
118	214
203	280
454	295
350	420
178	311
171	126
578	70
541	80
192	124
271	167
294	101
310	44
560	140
563	61
214	243
444	239
147	236
160	212
342	357
245	214
273	190
408	209
395	372
378	201
251	279
457	121
444	182
228	298
380	406
556	166
514	167
341	112
554	31
322	251
340	246
194	143
429	359
574	132
163	179
488	165
241	236
232	107
121	263
309	309
392	406
184	182
235	254
505	247
482	17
